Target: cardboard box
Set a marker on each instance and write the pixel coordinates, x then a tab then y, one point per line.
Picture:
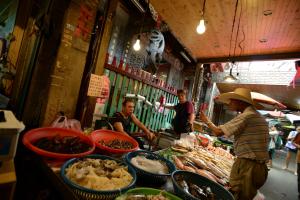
9	134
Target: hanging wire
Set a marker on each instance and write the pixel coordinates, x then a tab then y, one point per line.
143	21
240	43
242	48
232	28
203	8
237	33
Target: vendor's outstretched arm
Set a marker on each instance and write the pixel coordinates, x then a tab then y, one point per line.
191	120
137	122
168	107
215	129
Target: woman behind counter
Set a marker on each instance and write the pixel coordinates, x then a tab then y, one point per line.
185	116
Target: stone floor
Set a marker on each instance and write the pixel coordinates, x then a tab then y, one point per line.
281	184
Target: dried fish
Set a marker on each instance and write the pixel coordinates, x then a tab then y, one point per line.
200	192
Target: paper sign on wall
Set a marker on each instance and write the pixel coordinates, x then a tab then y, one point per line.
99	87
95	86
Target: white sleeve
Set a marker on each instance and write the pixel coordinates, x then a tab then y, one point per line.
291	135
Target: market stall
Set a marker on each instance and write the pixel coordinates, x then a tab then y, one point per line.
125	79
104	165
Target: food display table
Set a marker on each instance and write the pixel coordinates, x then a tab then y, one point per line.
53	177
210	164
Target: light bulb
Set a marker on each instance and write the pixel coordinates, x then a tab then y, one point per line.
137	45
201	27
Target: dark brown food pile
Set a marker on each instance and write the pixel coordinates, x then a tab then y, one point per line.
117	144
63	144
200	192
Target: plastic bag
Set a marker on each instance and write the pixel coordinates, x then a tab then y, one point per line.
186	140
64	122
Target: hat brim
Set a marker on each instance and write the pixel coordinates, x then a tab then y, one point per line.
226	97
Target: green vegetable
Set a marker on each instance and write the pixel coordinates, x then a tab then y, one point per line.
168	153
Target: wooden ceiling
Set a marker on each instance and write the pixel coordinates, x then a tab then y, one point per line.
289	96
281	29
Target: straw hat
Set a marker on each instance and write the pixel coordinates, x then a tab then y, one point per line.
241	94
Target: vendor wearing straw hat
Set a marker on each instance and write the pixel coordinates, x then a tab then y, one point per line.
250	131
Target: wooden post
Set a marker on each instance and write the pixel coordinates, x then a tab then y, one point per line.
40	59
198	80
86	114
16	48
106	37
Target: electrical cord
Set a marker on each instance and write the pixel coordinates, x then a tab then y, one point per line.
232	28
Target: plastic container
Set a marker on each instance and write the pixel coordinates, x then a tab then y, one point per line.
190	177
9	134
35	134
145	176
108	135
85	193
148	191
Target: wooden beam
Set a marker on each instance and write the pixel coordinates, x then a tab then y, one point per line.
197	85
280	56
15	48
35	91
143	80
100	63
86	105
